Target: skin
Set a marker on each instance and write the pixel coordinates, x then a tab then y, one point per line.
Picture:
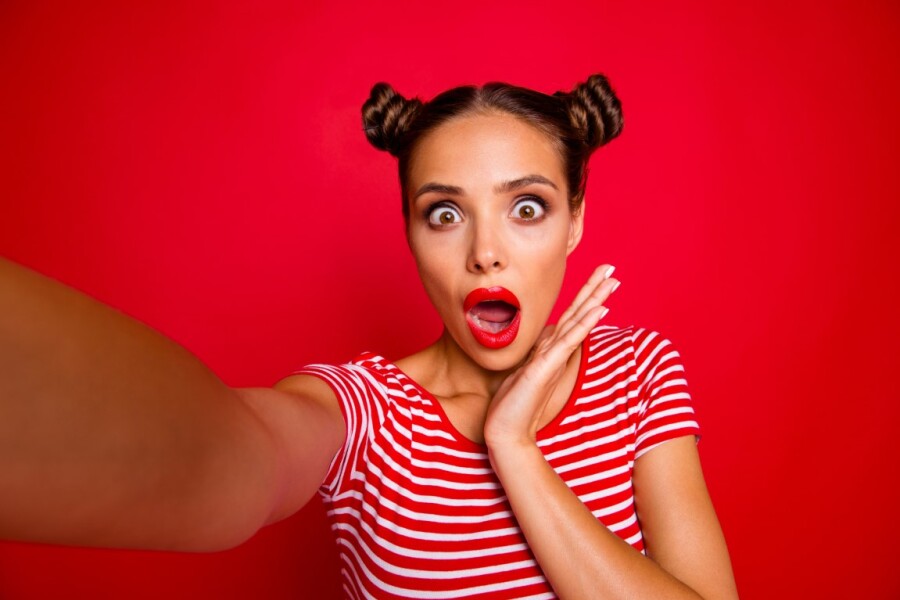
489	243
119	437
477	237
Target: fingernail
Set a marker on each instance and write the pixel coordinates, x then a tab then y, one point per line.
609	272
603	314
615	287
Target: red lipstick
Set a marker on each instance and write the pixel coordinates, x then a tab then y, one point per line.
493	316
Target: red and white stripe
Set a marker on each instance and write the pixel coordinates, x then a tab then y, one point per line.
416	508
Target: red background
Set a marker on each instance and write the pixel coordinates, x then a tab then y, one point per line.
204	170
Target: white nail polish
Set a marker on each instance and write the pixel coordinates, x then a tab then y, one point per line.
603	314
615	287
609	272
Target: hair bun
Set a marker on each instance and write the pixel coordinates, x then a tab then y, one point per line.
387	116
595	110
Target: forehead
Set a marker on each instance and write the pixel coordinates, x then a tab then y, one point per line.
483	149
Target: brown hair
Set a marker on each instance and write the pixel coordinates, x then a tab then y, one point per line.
578	122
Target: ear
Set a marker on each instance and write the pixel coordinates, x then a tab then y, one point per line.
576	228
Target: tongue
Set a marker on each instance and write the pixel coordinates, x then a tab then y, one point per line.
495	311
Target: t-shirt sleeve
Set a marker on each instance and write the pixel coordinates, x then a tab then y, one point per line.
665	409
362	400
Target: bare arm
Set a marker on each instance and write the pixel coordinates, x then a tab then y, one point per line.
113	435
583	559
579	555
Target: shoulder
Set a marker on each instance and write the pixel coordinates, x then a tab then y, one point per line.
607	336
644	355
643	342
638	340
367	374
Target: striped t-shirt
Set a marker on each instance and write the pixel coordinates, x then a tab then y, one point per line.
415	506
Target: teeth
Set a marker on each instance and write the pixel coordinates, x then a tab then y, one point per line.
490	326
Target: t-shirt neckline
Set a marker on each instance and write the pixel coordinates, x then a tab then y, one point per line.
448	425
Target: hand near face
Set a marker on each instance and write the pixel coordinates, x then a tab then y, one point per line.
515	412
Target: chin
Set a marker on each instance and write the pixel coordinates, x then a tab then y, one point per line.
498	359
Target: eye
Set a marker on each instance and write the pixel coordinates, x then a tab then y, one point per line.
443	214
529	209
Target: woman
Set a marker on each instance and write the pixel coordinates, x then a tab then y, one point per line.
506	460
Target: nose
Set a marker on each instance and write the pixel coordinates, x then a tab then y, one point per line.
486	251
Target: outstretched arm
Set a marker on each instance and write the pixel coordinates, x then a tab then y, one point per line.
113	435
581	558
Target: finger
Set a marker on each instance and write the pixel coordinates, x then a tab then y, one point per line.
595	310
600	274
597	277
563	347
545	335
550	361
555	346
598	296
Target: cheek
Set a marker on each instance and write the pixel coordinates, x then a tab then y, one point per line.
552	271
543	262
435	263
542	247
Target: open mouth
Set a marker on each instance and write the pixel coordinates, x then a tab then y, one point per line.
493	316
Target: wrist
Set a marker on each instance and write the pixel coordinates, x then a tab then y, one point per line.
512	452
502	442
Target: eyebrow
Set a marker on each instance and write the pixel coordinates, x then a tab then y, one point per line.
500	188
441	188
515	184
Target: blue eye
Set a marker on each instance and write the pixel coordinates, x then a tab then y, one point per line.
529	209
443	214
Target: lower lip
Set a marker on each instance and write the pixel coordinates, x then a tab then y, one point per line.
492	340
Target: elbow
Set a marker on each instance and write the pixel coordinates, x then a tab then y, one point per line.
231	493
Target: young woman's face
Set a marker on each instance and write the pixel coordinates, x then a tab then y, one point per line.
490	228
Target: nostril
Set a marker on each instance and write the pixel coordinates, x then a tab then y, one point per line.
483	266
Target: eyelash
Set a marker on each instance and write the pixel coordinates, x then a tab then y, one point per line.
432	208
545	206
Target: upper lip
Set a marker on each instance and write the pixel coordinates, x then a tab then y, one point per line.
491	294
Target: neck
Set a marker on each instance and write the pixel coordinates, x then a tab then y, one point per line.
454	373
